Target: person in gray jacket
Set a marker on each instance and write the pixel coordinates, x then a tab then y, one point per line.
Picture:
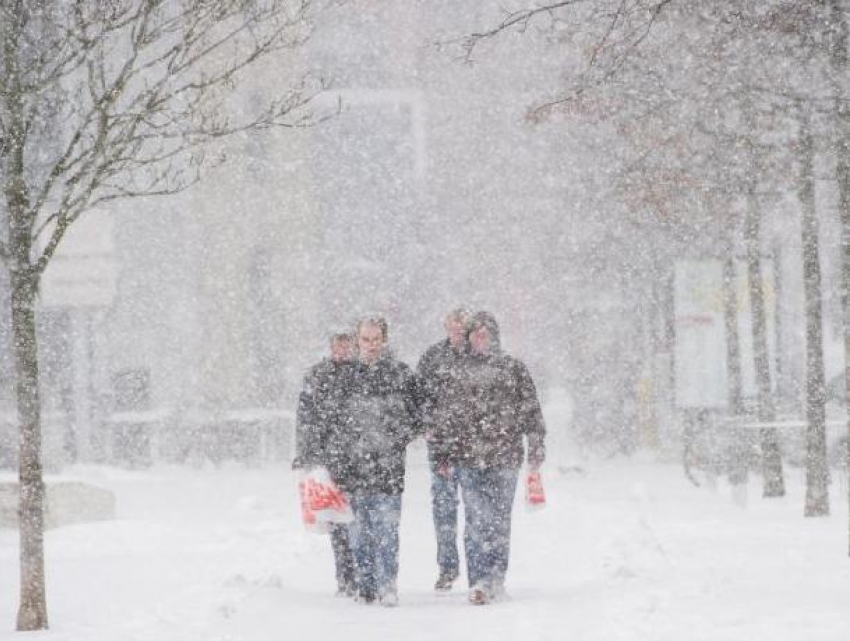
379	418
437	372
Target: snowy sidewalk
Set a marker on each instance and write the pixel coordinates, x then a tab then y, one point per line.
630	550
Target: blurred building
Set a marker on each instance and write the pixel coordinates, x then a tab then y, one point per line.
429	187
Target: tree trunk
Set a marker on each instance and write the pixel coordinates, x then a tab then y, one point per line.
843	176
730	317
32	614
838	32
738	461
817	468
773	482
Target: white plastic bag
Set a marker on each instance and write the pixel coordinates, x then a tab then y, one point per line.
322	502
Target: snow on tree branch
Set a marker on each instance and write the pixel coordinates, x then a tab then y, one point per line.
622	26
118	99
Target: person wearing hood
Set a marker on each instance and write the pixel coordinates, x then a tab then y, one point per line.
379	420
500	409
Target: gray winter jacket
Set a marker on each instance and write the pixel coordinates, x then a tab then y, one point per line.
438	398
325	387
378	419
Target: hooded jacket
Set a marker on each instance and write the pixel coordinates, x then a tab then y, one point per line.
496	406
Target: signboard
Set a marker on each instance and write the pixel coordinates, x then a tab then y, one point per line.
700	350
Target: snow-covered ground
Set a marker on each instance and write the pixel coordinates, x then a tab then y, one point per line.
626	550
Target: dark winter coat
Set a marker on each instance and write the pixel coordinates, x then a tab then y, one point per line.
325	387
494	404
378	419
438	398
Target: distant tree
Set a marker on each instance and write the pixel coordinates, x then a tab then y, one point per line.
817	468
103	100
633	52
837	31
810	42
773	484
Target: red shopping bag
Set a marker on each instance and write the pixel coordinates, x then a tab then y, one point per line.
535	496
308	515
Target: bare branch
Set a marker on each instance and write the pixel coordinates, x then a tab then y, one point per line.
516	19
618	60
123	193
101	102
160	97
138	122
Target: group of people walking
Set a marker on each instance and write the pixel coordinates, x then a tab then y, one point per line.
361	407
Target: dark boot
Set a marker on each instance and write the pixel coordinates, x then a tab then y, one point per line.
446	580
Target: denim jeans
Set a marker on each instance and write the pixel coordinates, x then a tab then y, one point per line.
444	502
488	498
374	542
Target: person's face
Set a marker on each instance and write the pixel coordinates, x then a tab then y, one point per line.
342	350
455	329
370	341
479	341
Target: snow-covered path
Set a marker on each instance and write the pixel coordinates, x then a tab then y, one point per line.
628	550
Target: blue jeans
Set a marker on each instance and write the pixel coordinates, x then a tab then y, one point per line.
488	498
374	542
444	502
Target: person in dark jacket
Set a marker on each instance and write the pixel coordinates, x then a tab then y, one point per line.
500	409
317	422
379	420
437	373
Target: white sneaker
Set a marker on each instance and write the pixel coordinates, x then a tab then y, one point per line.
479	595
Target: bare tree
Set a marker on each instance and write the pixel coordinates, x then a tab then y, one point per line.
738	37
772	479
617	29
106	100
